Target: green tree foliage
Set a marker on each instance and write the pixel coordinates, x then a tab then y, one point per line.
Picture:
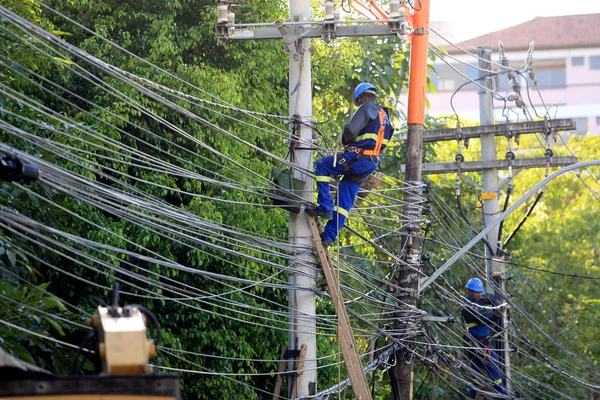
178	37
550	258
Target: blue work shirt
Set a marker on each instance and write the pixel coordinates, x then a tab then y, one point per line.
477	320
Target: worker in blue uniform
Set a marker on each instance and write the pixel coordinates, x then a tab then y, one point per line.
367	134
479	320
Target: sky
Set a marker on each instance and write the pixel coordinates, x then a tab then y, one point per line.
472	18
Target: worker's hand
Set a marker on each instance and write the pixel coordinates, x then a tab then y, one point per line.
500	310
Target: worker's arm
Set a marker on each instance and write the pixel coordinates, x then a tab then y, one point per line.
358	121
474	314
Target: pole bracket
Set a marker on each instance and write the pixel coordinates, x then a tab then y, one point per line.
420	31
290	38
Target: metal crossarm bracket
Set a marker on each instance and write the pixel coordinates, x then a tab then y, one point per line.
289	38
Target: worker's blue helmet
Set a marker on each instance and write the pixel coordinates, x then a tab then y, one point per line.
475	285
362	88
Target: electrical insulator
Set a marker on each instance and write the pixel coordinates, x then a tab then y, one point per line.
231	18
223	12
395	10
329	10
336	14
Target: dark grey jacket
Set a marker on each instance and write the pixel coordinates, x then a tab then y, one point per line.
366	112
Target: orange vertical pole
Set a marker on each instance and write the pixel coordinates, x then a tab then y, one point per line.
418	64
401	374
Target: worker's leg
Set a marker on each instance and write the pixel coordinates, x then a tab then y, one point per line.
324	168
493	370
347	192
478	371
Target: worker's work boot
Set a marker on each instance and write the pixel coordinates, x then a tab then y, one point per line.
317	212
325	242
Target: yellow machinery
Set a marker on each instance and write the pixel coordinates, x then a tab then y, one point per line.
123	350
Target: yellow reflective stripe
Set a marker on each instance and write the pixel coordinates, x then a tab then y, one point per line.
366	136
497	381
373	136
340	210
471	325
322	178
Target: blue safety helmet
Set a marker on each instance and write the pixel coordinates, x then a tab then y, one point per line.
475	285
360	89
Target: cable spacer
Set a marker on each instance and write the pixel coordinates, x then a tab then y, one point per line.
420	31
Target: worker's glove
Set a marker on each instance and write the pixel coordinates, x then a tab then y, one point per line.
500	311
339	139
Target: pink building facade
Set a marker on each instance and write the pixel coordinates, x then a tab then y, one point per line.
565	66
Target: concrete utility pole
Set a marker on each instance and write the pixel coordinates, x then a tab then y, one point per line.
491	207
303	330
401	375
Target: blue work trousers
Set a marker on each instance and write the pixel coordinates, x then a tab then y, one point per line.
347	190
487	364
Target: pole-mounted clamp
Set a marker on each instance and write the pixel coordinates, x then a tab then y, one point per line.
420	31
509	133
458	134
290	39
295	120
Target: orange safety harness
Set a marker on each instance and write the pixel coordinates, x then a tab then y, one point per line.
380	136
361	151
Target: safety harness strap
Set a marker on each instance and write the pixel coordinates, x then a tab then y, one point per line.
362	151
380	136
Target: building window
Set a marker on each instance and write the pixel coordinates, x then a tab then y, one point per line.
446	78
581	125
550	74
550	78
577	61
595	62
